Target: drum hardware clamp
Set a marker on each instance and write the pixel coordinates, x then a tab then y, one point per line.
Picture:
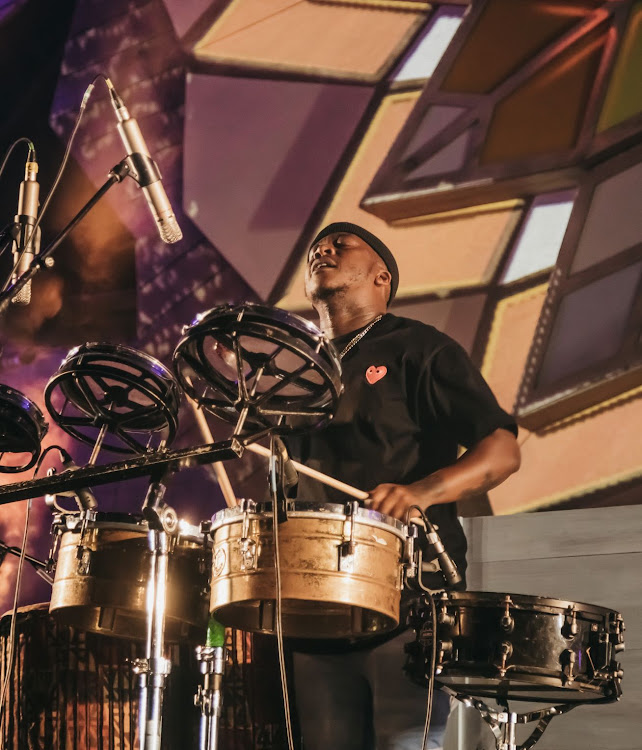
209	698
503	724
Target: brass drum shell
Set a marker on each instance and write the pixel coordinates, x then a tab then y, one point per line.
327	591
100	582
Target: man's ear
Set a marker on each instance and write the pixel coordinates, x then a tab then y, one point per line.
383	278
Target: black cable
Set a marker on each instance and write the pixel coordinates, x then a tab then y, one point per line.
433	614
21	561
63	164
63	455
31	154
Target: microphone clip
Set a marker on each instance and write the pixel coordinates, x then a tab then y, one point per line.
143	169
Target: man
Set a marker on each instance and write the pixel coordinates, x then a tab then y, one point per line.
412	397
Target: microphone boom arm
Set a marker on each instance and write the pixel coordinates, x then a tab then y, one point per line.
117	174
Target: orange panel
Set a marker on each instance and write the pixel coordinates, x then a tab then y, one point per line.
546	113
509	342
506	35
335	40
435	255
601	450
624	97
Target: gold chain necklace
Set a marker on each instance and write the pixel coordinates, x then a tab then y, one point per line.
356	339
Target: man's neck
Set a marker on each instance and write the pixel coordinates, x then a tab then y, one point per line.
338	319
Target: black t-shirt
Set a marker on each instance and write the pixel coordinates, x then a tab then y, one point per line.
412	397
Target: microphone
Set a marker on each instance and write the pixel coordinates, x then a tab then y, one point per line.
290	474
446	563
26	244
86	498
145	171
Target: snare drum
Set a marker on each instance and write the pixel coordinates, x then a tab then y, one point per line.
518	647
341	570
102	571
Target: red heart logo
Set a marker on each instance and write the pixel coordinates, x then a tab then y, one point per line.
373	374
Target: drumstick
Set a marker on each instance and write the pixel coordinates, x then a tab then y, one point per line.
221	474
314	474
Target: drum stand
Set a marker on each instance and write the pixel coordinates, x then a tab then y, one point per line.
154	668
504	723
209	698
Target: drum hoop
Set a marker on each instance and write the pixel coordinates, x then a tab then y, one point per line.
262	312
303	509
524	602
104	349
102	522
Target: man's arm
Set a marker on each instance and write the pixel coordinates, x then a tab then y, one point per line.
487	464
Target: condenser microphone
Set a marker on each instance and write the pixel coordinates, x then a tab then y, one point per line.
145	171
85	497
446	563
26	244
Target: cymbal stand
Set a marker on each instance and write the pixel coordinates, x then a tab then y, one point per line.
209	698
503	723
154	668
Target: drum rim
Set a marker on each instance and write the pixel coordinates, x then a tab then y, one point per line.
102	521
265	311
519	600
548	682
307	509
106	349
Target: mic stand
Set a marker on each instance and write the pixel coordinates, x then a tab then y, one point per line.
39	565
117	174
155	667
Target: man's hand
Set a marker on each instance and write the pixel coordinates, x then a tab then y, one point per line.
397	499
480	469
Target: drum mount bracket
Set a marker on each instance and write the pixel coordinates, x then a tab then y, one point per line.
503	724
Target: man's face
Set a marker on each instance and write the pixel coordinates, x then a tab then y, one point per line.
338	263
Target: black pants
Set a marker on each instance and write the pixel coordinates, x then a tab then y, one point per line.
363	701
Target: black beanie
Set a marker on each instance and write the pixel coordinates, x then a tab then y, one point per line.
375	243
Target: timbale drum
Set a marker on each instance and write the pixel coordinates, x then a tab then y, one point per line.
102	570
341	569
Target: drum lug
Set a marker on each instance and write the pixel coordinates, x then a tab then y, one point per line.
346	547
505	652
247	550
409	569
507	623
568	659
83	555
569	629
246	545
444	650
443	618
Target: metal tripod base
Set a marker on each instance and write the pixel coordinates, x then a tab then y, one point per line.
210	695
503	724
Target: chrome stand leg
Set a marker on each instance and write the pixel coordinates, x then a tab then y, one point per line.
507	740
211	661
154	668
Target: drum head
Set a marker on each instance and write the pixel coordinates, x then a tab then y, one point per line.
22	428
132	395
274	368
